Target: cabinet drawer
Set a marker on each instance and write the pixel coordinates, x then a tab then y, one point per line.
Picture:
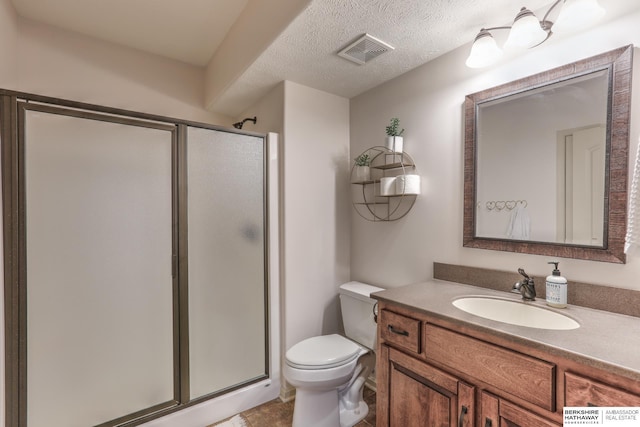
400	331
514	373
582	392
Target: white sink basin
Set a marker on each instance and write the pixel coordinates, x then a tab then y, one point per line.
515	313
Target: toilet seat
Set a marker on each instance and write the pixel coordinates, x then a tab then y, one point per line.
322	352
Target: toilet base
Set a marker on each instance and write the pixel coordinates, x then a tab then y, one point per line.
353	408
316	408
351	417
321	409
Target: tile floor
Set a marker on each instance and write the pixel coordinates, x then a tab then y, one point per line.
279	414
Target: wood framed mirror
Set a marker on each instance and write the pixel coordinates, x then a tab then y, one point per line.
546	161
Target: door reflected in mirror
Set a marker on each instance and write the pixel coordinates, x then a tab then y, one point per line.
542	153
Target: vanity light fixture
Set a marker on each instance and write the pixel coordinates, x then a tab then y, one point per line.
527	31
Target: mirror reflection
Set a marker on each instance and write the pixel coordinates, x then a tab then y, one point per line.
546	161
541	163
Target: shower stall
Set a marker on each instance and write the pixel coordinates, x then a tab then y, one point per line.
137	267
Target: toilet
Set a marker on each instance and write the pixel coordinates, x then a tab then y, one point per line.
329	371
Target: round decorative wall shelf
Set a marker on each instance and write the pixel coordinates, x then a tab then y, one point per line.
390	188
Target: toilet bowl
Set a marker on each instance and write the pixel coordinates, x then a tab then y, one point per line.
329	371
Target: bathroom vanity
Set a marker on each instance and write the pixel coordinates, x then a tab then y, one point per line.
439	365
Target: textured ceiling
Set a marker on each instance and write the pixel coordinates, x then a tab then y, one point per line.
419	30
305	52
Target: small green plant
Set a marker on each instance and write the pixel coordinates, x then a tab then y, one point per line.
363	160
392	129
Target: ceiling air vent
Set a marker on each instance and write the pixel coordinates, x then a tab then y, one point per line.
364	49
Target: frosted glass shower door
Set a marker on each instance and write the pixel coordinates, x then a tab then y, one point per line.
226	245
99	268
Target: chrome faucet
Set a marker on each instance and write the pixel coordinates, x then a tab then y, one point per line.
526	287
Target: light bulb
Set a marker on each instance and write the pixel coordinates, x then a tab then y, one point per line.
484	51
526	31
576	14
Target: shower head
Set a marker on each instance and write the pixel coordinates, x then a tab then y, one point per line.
239	125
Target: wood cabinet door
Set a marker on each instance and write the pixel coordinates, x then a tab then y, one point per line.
414	403
489	410
420	395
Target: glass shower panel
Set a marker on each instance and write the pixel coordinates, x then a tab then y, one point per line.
227	291
99	269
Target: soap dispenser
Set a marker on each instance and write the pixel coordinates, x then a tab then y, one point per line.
556	288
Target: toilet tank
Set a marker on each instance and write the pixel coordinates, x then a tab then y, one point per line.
357	312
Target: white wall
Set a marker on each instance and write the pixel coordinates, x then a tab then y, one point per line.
269	112
429	101
8	43
68	65
316	210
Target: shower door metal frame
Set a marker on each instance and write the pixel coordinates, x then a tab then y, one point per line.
12	107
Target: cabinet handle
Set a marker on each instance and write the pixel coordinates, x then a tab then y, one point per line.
488	422
463	412
397	331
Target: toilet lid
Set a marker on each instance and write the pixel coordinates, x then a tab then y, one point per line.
322	352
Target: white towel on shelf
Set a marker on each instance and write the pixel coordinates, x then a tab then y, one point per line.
632	237
519	227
